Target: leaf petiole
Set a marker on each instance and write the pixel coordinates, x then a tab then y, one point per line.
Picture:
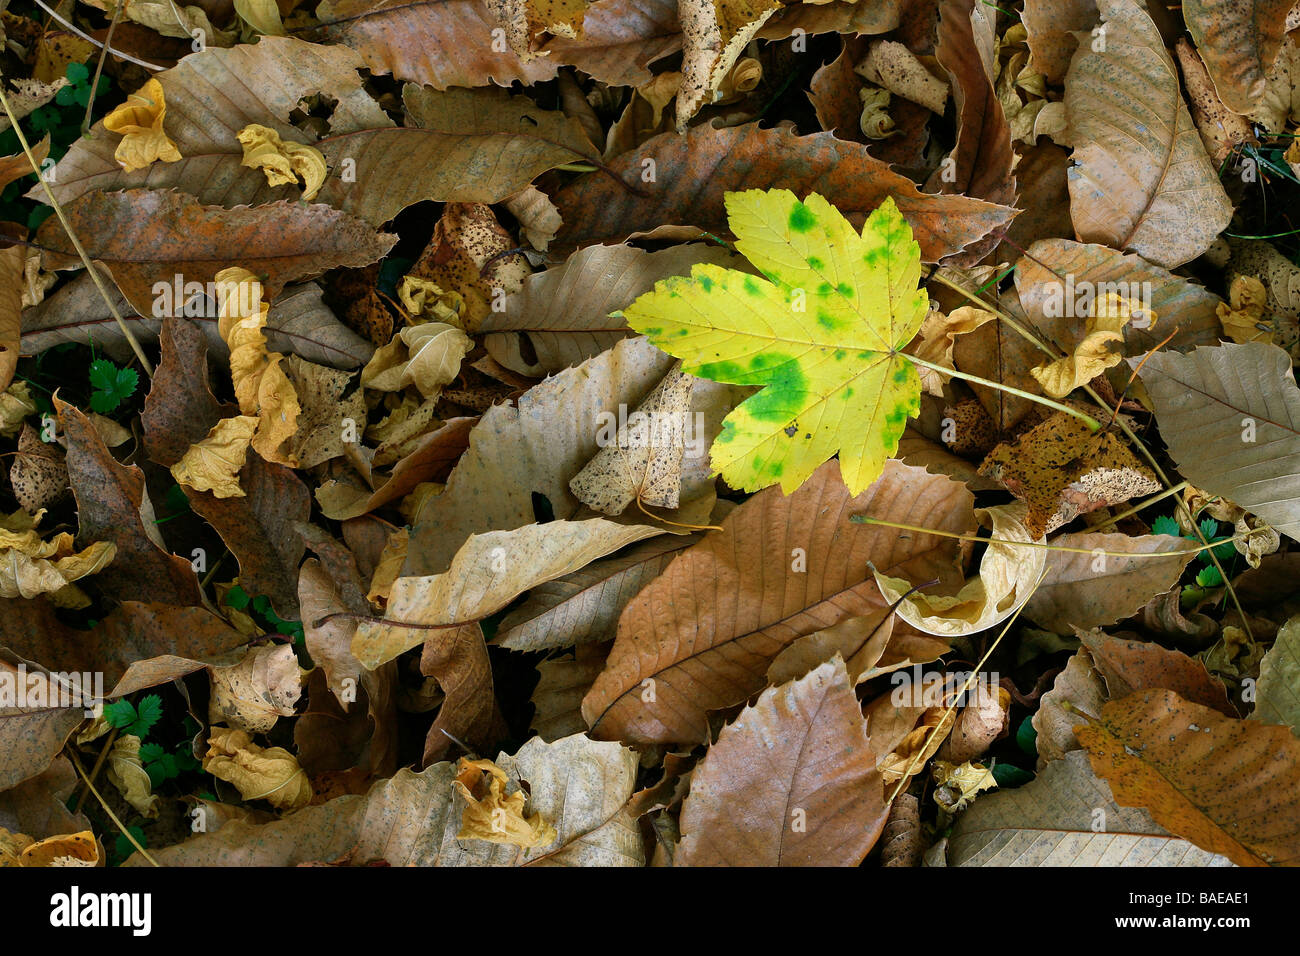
1088	420
1198	549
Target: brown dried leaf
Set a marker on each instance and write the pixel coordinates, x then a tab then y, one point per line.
1091	589
113	506
536	445
1131	665
180	410
583	607
1052	821
702	635
259	529
1239	40
1078	685
557	698
1230	786
692	172
562	316
33	730
791	782
1053	26
488	572
1142	181
145	236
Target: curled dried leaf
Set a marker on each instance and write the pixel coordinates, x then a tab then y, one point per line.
259	773
213	464
282	162
493	815
140	123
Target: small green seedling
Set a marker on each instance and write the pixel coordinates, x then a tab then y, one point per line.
134	719
112	385
162	765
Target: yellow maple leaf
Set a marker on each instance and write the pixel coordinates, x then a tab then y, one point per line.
822	329
140	122
282	162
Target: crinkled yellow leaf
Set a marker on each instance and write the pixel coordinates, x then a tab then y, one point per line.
823	329
917	747
271	774
875	121
213	464
30	566
16	404
427	356
494	816
140	122
282	162
1008	575
964	781
261	386
937	336
1242	319
20	520
126	772
1093	355
425	298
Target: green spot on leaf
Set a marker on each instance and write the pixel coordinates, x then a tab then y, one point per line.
801	218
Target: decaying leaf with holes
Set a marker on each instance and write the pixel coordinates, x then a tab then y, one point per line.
254	692
641	459
1061	469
